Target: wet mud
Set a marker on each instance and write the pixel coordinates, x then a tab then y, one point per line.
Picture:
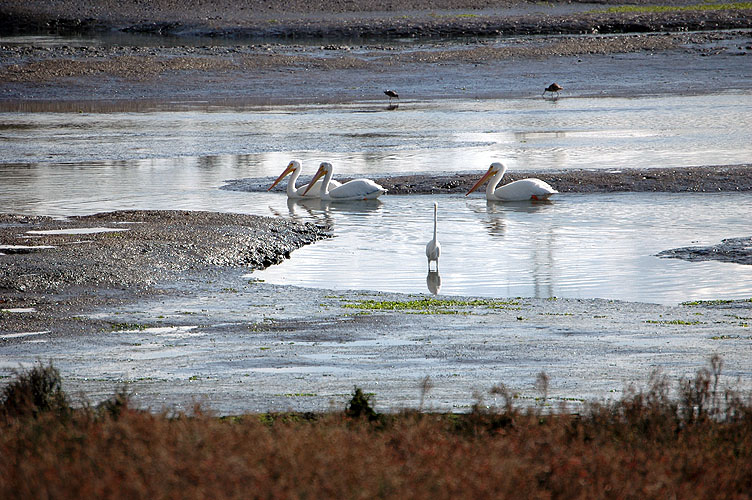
357	19
167	308
346	52
738	250
166	305
61	267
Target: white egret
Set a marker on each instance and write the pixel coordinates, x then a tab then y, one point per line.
522	190
294	192
433	247
356	189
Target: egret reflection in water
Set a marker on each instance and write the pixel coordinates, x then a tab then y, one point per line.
433	281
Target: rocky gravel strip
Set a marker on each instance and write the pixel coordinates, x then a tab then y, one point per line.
733	178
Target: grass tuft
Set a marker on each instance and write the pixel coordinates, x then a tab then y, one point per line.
360	406
35	391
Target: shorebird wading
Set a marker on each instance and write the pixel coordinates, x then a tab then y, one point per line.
554	88
433	247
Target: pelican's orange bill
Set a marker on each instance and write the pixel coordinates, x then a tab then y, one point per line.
316	177
287	171
482	180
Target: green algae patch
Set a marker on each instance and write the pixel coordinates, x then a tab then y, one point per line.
429	306
673	322
637	9
716	302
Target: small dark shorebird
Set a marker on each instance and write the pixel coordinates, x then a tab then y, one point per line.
554	88
392	95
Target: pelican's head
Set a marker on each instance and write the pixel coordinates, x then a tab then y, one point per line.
324	169
291	167
494	169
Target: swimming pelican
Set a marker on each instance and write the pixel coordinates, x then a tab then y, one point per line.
294	167
522	190
433	247
554	88
356	189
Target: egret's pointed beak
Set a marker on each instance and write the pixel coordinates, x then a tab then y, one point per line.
483	179
289	169
319	174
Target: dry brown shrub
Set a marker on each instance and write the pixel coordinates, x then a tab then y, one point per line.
644	446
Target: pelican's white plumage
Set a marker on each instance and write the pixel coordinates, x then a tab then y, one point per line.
294	168
356	189
433	247
522	190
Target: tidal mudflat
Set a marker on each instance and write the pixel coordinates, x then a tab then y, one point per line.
142	132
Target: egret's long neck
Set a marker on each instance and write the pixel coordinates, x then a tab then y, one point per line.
292	188
325	183
435	217
494	182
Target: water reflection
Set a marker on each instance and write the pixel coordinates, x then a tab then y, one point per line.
579	246
321	212
443	136
495	212
433	281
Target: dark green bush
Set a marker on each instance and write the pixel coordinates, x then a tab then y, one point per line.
34	391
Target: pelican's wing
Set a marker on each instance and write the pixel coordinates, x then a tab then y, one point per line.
315	191
357	189
525	189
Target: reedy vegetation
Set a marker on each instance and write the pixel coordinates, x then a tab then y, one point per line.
646	445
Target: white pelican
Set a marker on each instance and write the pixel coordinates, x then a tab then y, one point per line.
433	247
356	189
295	168
522	190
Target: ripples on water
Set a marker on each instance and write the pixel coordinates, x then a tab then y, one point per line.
436	136
578	246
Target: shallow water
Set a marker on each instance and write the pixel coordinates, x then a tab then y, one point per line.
579	246
602	245
364	137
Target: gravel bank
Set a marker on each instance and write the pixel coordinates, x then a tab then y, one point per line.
670	180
